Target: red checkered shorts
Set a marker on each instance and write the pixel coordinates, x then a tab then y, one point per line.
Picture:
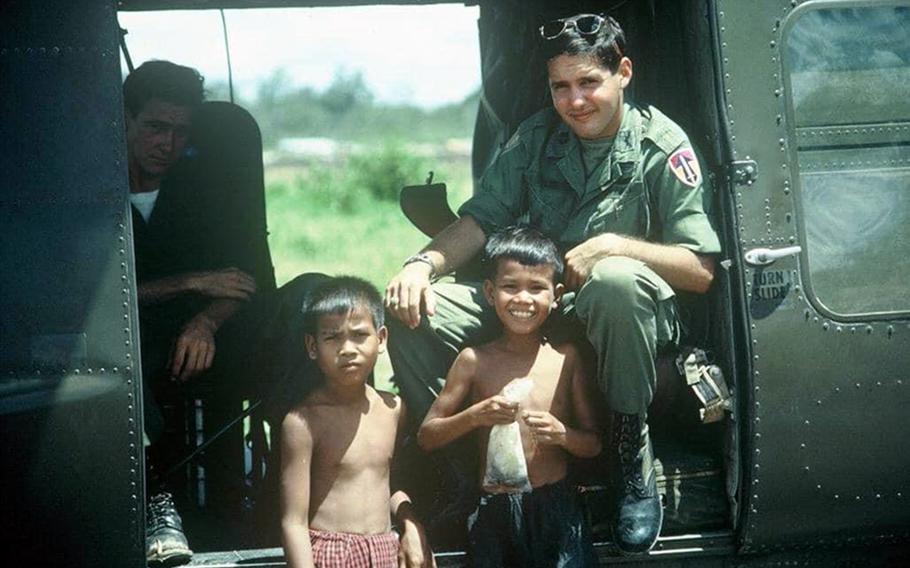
349	550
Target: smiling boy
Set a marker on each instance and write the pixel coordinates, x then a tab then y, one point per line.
338	445
543	527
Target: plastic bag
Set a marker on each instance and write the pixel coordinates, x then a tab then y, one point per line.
507	470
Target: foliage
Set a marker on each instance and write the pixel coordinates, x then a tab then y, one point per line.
345	93
357	182
346	110
384	171
329	188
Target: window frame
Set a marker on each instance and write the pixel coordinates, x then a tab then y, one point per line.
793	163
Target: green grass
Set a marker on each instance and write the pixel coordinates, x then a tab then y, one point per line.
362	236
327	219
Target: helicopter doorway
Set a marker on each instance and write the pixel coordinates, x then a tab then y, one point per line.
353	104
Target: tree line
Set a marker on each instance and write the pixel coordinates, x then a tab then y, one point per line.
348	110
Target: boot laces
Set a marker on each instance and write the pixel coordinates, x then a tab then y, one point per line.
629	446
162	512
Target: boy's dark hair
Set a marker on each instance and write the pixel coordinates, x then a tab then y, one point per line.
608	45
340	295
172	83
523	244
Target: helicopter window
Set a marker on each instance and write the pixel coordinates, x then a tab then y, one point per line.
848	74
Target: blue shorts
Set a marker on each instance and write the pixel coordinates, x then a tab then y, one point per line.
544	528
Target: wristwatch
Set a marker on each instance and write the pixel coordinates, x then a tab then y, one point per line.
422	257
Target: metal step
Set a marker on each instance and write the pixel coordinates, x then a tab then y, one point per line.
260	557
700	545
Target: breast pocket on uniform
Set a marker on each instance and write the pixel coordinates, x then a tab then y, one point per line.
550	204
623	213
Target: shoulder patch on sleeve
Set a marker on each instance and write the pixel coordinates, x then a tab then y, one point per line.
684	166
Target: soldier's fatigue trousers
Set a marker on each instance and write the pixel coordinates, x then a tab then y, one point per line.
625	310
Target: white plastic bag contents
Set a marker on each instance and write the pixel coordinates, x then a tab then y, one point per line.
507	471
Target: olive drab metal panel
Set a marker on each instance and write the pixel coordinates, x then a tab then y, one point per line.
71	480
816	97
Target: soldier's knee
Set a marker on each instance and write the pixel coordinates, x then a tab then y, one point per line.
404	342
615	282
397	329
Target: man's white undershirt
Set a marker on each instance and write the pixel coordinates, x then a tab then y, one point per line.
144	203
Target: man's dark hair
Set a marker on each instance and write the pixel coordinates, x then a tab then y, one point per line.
340	295
169	82
608	45
522	244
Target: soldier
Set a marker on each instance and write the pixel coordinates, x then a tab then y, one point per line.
619	188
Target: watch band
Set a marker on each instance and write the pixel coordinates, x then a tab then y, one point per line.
422	257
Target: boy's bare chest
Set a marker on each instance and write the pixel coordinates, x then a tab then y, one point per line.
355	445
546	375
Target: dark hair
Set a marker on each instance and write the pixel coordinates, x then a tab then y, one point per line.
523	244
172	83
608	45
340	295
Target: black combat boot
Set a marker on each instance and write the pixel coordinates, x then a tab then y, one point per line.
639	511
165	543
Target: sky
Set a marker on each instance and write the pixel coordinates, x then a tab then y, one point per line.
424	55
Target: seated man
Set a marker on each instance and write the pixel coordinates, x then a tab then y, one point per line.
199	303
619	189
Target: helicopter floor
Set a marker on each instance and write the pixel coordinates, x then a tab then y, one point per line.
702	544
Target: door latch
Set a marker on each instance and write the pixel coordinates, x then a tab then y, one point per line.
765	256
743	172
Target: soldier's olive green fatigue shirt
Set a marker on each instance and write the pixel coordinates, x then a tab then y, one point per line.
539	178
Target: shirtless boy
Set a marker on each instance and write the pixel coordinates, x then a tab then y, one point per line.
545	526
338	444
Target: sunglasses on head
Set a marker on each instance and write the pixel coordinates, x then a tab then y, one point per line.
586	24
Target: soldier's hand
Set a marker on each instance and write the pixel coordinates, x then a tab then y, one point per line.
495	410
194	349
580	260
231	283
546	429
409	294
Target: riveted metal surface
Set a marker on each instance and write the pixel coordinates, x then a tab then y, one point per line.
70	398
853	134
749	94
824	456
